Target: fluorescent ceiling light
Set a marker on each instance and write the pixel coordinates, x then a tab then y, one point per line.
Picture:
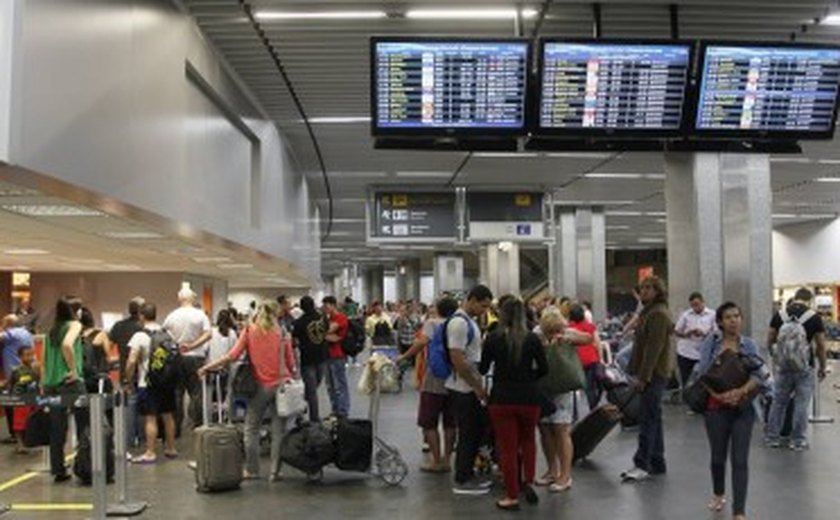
832	19
338	120
468	14
649	240
212	259
827	179
579	155
613	228
420	175
320	15
18	192
785	215
235	266
51	210
132	235
625	213
23	251
123	267
829	161
627	176
505	155
593	202
361	174
347	220
790	160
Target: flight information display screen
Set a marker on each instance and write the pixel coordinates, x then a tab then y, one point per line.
768	89
613	86
439	85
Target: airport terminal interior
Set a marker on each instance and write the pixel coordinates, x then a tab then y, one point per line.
319	174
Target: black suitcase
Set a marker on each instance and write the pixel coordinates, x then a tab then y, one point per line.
308	447
83	463
588	433
354	444
629	401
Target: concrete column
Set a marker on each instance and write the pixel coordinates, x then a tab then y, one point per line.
565	256
598	266
483	267
449	273
374	277
719	232
6	306
502	267
408	280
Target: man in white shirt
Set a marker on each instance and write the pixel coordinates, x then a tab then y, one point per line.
467	395
692	328
152	402
190	329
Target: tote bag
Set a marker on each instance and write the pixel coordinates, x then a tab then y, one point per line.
565	373
290	397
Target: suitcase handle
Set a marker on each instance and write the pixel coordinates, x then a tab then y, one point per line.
205	397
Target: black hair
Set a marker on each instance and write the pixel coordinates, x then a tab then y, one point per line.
282	299
480	293
307	304
722	310
329	300
577	313
803	295
224	321
695	296
134	307
446	306
86	317
148	311
67	309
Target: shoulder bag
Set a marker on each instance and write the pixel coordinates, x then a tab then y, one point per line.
728	371
565	373
290	398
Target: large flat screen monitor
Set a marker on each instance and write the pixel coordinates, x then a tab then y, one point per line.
768	90
613	87
426	86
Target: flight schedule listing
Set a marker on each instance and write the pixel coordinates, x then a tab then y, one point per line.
451	84
768	89
613	86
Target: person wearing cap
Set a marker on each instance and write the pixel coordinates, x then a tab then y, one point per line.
190	329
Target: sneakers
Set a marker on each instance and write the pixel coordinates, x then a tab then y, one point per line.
635	475
472	487
772	443
799	446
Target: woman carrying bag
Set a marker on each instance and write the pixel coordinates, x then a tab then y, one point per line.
732	373
264	341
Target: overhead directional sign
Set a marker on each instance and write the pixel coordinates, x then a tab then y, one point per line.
414	216
505	216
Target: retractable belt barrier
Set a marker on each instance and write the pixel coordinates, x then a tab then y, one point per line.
97	403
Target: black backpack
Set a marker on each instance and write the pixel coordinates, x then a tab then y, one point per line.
164	359
354	342
94	362
382	334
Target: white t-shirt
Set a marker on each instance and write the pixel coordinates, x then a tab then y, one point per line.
690	320
219	345
456	337
142	342
186	324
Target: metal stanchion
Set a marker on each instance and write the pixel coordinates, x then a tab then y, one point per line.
123	506
98	447
816	418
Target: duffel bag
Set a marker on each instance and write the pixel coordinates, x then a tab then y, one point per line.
308	447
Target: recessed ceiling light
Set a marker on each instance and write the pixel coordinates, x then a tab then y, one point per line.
468	14
420	175
827	179
24	251
123	267
131	235
51	210
339	120
235	266
320	15
212	259
505	155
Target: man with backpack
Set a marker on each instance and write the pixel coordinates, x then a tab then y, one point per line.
336	370
793	331
152	358
309	333
467	395
378	326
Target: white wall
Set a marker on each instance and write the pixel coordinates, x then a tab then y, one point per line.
807	253
102	100
389	288
242	298
427	288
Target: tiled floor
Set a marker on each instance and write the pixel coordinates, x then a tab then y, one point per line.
783	485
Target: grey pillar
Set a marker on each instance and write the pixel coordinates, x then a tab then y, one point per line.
449	273
408	280
374	276
502	267
598	297
565	257
719	232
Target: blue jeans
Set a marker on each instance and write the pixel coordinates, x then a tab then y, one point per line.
801	385
312	376
337	387
729	431
650	455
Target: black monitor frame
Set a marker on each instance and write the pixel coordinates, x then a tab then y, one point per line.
699	133
617	133
378	131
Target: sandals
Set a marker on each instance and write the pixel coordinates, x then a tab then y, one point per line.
506	504
545	480
559	488
144	459
716	504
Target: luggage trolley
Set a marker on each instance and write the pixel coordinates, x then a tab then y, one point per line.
387	462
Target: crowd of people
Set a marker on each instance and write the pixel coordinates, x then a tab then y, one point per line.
493	386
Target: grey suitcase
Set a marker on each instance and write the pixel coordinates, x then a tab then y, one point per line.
218	450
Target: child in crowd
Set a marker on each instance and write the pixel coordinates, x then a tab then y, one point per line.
24	380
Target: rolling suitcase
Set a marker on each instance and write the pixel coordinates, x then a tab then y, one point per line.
218	449
630	401
588	433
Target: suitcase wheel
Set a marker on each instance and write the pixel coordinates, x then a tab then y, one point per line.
391	469
316	477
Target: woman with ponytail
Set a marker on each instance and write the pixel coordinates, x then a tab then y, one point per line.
264	341
518	361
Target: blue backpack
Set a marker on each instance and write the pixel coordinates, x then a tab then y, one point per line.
440	365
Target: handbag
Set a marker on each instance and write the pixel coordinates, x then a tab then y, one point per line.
565	373
244	383
696	396
290	398
728	371
37	431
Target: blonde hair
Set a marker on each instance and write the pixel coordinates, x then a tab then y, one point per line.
266	316
552	322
